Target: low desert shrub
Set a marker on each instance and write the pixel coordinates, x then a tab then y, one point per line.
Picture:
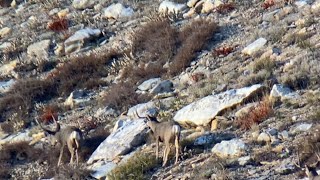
258	114
81	72
137	167
122	95
192	39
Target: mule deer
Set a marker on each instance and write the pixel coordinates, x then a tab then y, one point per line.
70	136
166	132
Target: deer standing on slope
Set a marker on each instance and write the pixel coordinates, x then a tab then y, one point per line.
69	136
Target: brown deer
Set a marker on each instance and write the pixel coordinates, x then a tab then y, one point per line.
166	132
69	136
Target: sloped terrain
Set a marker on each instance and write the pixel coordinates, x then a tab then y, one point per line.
241	78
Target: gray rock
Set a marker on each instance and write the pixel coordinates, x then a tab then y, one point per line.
79	39
102	170
39	49
6	85
244	160
118	125
234	147
285	168
255	46
121	142
83	4
282	92
272	131
284	135
168	7
143	109
149	84
270	16
106	112
204	140
20	136
162	87
117	11
204	110
300	128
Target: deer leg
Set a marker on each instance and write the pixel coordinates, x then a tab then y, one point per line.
60	156
157	149
72	151
176	143
167	151
77	156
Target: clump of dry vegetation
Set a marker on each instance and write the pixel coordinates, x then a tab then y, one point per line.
258	114
213	167
192	38
122	95
58	24
137	167
82	72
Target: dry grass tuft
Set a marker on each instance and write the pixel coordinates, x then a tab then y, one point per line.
137	167
192	38
122	95
225	8
82	72
258	114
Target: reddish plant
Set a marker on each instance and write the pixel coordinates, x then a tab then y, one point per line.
197	76
224	50
225	8
47	113
58	24
256	115
267	4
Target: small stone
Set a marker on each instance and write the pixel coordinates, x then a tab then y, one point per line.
254	47
234	147
83	4
39	49
116	11
264	137
214	125
244	160
168	7
161	87
301	128
284	135
148	84
5	31
192	3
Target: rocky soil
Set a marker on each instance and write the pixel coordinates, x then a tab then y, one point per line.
241	78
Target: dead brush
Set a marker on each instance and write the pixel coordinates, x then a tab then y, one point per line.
47	113
225	8
58	24
223	51
267	4
257	114
193	37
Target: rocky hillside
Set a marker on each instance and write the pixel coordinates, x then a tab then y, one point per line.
241	79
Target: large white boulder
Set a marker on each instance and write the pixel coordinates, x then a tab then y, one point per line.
120	142
204	110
